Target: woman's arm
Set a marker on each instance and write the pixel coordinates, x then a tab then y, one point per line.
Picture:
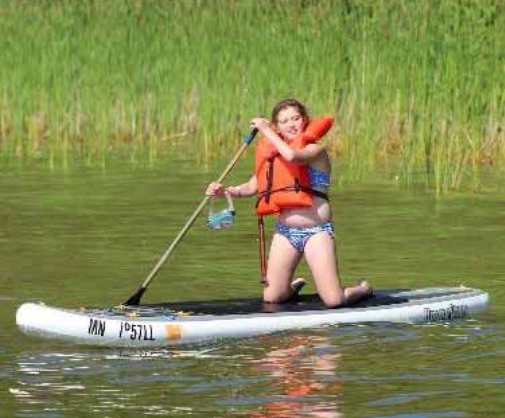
249	188
292	155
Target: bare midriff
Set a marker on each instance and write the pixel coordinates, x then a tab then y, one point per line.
319	213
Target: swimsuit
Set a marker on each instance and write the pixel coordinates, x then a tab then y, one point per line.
298	237
319	180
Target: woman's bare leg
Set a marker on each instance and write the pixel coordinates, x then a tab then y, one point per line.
322	259
282	262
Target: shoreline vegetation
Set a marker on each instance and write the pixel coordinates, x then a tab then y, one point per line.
414	85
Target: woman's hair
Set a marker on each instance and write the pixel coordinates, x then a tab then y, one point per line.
284	104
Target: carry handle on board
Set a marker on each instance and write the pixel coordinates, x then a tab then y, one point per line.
135	298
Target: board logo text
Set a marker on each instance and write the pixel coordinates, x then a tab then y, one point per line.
446	314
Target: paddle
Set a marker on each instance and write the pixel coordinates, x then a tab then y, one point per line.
135	298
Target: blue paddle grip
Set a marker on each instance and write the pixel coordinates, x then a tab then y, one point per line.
249	138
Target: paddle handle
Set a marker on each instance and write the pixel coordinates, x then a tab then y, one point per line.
247	140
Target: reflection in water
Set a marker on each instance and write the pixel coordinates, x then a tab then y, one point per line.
99	382
295	376
279	376
305	376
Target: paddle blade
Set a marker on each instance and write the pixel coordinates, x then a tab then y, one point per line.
135	298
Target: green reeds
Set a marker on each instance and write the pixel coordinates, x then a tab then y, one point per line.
414	85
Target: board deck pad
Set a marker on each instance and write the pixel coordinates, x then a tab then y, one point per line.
254	306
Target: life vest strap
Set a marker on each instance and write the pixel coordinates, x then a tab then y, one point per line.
296	188
270	179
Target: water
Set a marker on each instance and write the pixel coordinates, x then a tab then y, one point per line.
89	237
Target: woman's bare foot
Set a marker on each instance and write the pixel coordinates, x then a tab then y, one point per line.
297	285
362	291
366	286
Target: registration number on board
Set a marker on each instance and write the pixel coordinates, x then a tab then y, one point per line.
136	332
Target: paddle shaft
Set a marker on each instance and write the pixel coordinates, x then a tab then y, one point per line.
135	298
263	256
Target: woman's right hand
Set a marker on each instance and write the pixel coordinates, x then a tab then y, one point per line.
215	189
261	124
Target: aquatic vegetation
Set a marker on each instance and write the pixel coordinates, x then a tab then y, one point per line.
414	85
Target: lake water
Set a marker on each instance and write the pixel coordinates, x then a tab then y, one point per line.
89	237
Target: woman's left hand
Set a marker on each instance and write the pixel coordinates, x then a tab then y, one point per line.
215	189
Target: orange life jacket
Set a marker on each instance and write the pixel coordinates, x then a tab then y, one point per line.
285	185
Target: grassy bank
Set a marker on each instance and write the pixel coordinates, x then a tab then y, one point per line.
418	85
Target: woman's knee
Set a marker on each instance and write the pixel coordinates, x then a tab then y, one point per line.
272	295
272	299
333	301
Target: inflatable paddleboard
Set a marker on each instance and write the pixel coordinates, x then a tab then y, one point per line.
191	322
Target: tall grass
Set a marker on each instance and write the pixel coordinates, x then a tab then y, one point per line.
414	85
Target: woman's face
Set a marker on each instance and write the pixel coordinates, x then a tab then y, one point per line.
290	123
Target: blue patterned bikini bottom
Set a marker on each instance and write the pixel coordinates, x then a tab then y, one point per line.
298	237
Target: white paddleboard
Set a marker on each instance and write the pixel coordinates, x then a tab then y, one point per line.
191	322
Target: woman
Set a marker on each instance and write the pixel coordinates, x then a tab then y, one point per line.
292	179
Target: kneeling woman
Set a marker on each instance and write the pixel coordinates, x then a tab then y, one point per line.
291	180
